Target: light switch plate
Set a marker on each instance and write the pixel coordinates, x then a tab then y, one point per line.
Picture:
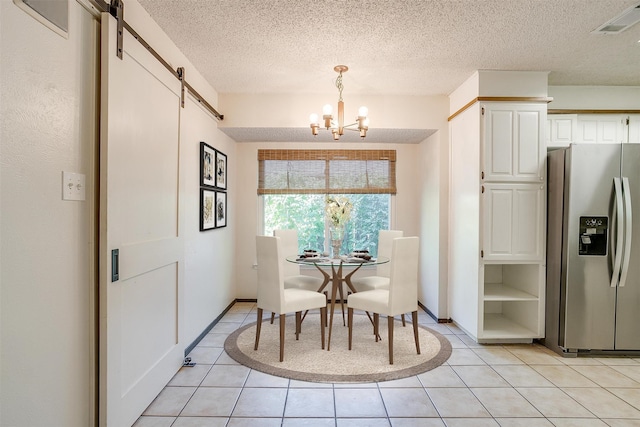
73	186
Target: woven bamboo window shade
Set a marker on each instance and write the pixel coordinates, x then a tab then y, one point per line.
327	172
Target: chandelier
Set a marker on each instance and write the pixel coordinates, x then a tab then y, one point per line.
337	128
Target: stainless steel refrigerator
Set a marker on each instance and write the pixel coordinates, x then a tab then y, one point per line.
593	249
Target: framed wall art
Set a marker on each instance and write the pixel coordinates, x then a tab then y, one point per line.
221	209
207	209
221	170
207	165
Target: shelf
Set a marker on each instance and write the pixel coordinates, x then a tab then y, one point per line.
497	326
500	292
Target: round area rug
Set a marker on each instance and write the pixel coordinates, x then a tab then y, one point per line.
368	361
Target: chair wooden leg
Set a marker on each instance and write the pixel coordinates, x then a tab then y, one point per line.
323	319
282	317
374	329
258	325
273	315
390	322
326	295
403	322
350	317
414	318
342	304
376	324
370	319
298	324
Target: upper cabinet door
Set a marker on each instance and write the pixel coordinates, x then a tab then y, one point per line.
633	129
561	130
514	141
513	217
601	128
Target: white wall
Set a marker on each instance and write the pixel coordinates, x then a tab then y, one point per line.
464	218
48	89
209	276
498	83
432	175
422	201
595	97
428	172
407	210
432	170
47	126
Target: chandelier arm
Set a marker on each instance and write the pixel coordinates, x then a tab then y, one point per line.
349	126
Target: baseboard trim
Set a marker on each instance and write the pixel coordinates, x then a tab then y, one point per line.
433	316
204	333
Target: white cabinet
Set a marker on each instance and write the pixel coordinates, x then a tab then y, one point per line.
497	221
565	129
562	130
513	222
513	215
633	129
601	128
513	141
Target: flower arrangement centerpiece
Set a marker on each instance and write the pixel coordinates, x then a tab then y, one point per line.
338	212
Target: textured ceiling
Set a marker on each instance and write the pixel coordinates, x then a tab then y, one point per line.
396	47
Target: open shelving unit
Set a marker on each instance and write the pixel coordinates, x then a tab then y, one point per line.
513	296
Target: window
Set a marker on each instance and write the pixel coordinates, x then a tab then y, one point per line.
295	183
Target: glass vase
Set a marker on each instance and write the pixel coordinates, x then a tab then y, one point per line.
337	235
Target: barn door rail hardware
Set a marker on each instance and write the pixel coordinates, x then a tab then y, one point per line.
116	9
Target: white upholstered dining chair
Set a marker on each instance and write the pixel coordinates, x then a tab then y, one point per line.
381	279
292	276
401	296
274	297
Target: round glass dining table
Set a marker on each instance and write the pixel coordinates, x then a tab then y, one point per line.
336	278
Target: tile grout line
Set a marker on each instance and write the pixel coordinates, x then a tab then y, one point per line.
193	394
384	405
335	408
235	404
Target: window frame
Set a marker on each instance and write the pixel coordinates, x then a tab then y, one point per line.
327	156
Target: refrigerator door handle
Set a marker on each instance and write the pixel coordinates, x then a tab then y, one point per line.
627	230
615	276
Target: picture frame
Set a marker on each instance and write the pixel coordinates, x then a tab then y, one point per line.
207	165
207	209
221	170
221	209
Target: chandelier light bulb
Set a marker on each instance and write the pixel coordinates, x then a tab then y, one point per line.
363	111
327	110
313	118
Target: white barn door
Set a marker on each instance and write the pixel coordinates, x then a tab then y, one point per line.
140	309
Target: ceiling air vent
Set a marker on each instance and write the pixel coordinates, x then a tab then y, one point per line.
621	22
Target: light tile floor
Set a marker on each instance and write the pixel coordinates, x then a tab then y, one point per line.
480	385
